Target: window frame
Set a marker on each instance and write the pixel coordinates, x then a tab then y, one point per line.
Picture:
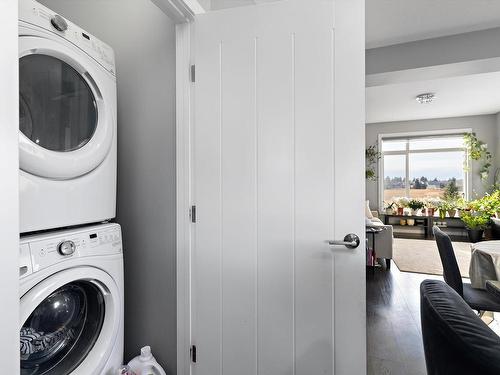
407	152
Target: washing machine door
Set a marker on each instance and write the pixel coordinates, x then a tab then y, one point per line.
65	119
69	323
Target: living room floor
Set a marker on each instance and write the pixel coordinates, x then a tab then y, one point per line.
394	336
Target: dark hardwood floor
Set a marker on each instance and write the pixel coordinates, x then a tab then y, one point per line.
394	336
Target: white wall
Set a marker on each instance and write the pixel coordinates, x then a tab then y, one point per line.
484	126
9	208
143	38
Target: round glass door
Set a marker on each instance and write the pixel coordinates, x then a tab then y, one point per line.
57	108
62	329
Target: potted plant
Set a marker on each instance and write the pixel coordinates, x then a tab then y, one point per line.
372	156
461	206
451	208
432	204
442	207
475	222
389	208
415	205
401	203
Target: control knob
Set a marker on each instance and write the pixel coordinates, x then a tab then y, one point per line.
66	248
59	23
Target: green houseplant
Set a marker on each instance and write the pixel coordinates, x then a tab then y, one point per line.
372	155
477	150
475	222
415	205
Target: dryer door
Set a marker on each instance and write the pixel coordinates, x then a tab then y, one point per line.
65	122
70	322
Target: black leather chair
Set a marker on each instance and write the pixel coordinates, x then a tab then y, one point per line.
477	299
456	341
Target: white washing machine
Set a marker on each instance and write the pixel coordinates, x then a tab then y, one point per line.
67	123
71	302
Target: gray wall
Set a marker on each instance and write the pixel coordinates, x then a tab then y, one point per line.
430	52
485	127
143	38
9	207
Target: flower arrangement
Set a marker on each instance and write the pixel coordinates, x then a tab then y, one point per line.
402	202
432	202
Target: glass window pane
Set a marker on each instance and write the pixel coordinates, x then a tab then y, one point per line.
394	177
394	145
436	143
431	172
57	109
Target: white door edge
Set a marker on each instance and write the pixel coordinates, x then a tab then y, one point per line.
183	120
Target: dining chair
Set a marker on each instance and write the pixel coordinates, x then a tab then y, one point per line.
477	299
456	341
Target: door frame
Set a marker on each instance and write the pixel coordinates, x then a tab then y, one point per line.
184	88
344	103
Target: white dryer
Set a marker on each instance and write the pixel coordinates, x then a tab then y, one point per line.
67	121
71	302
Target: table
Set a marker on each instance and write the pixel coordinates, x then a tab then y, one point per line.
485	263
428	222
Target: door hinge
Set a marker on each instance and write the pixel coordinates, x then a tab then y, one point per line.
192	214
193	73
192	353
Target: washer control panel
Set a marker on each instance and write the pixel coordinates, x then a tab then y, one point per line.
39	252
34	13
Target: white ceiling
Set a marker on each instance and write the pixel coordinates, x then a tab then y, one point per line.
456	96
399	21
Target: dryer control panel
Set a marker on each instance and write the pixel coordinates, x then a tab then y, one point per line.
42	251
35	13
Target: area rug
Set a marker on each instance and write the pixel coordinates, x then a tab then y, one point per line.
422	256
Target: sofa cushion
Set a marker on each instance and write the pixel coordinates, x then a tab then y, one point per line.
368	212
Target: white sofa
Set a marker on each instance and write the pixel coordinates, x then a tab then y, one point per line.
383	240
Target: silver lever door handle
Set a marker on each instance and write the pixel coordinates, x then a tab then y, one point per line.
350	241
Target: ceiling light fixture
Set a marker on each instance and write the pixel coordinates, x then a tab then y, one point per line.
426	98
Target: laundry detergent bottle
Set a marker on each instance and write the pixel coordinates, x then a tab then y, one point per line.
145	364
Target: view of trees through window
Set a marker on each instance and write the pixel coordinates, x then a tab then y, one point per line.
421	167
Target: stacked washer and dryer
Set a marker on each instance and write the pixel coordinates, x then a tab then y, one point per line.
71	270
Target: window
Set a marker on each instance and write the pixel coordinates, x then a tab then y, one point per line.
422	166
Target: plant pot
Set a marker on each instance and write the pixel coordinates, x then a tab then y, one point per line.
402	222
442	214
414	212
389	211
475	235
430	211
400	211
452	213
410	222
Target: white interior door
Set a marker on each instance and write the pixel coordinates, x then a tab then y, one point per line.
278	170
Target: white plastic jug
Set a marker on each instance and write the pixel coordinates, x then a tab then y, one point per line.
145	364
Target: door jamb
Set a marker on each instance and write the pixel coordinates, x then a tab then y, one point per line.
184	89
